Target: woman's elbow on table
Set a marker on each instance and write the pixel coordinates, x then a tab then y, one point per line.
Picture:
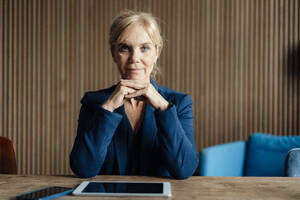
82	170
186	170
183	175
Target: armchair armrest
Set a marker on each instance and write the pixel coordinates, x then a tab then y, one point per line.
292	163
223	160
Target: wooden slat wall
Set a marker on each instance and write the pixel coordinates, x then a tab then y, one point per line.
239	60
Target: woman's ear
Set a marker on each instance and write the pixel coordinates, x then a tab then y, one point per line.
157	54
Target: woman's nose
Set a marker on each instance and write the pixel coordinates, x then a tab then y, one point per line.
135	56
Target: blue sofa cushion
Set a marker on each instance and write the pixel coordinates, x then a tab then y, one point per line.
266	154
223	160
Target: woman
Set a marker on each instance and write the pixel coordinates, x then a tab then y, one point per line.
135	127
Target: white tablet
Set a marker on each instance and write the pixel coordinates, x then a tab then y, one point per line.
121	188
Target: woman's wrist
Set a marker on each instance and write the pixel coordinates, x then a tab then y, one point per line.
164	106
108	107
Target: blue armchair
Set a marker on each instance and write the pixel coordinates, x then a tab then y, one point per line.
262	155
292	163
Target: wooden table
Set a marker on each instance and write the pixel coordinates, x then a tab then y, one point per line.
212	188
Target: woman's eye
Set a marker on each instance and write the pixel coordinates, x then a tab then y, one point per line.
144	49
124	48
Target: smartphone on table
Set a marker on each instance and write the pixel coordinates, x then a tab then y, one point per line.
47	193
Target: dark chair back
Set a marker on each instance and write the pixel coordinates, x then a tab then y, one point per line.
8	163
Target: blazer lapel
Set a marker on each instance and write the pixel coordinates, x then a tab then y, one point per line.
120	143
148	140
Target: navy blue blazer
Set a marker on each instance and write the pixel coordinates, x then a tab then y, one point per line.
167	146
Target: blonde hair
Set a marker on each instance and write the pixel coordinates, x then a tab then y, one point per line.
130	18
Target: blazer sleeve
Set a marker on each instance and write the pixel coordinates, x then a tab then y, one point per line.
176	138
96	127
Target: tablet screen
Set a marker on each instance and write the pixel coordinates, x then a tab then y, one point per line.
123	188
95	187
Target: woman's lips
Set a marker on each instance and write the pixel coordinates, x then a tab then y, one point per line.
134	70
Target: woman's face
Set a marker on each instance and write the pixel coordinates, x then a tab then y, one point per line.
136	54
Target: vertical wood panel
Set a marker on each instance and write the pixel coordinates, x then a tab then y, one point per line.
2	64
239	60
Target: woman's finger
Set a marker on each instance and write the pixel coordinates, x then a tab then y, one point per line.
127	90
134	84
135	94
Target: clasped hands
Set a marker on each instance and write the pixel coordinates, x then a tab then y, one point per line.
140	90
